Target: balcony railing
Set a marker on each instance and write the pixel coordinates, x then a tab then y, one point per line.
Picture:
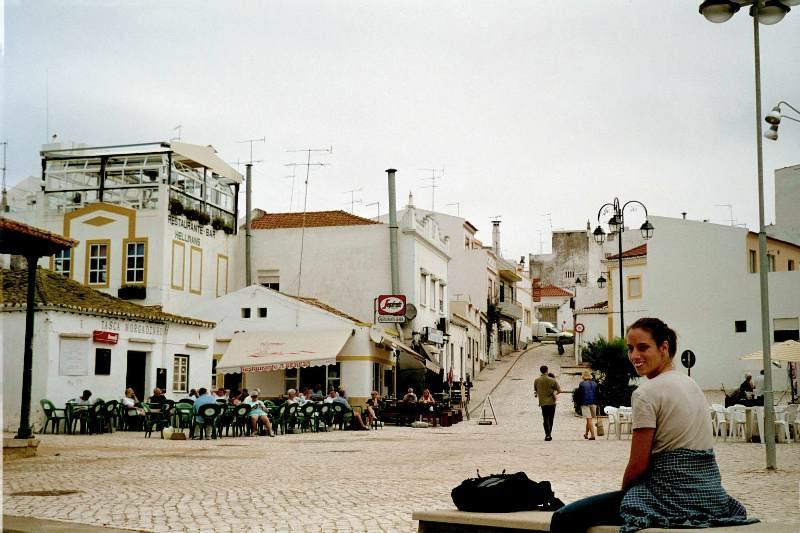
511	308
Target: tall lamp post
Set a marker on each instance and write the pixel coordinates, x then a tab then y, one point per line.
766	12
616	224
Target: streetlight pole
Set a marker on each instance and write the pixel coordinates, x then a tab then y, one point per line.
616	224
765	12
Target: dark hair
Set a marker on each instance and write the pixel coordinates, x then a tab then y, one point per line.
87	394
202	391
660	332
543	369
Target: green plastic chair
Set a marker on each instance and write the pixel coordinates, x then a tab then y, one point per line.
310	417
342	416
53	416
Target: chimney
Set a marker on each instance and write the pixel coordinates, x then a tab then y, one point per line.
496	237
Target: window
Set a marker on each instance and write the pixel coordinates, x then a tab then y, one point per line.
466	243
634	287
740	326
262	312
752	262
291	379
433	294
102	361
214	362
180	373
334	376
569	274
97	268
245	312
134	262
377	378
62	262
270	279
770	263
423	289
441	298
790	265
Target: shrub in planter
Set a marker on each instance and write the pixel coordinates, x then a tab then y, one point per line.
217	223
227	228
191	213
132	292
203	218
612	370
175	207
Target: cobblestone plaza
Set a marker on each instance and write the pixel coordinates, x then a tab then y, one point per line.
352	481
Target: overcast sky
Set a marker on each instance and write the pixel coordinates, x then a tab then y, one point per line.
530	107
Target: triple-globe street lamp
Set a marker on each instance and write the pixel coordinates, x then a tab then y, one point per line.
616	224
766	12
774	117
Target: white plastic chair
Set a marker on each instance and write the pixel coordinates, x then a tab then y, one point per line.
625	415
796	423
611	413
720	419
737	421
781	423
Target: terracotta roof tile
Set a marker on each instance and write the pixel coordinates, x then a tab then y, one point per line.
326	307
639	251
19	238
598	305
313	219
54	291
552	290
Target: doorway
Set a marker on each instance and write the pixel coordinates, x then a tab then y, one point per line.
136	372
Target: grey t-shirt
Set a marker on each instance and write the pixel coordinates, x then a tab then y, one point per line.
674	405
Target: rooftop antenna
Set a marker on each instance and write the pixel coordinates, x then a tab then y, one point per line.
308	164
4	201
378	203
730	210
353	200
248	198
549	218
433	186
177	128
291	194
540	242
46	105
458	208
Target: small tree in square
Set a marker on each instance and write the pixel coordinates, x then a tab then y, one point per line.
611	369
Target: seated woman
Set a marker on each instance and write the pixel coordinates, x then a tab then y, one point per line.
130	401
427	398
672	479
373	404
258	412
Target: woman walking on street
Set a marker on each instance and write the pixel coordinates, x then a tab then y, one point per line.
588	393
672	479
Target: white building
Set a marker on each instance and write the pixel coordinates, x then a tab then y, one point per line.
156	222
85	339
275	342
346	263
701	278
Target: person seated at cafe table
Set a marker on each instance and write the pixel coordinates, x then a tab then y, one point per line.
373	404
331	395
130	401
83	399
157	399
294	398
427	398
410	397
358	422
258	411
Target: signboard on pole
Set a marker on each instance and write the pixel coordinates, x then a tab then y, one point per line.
392	308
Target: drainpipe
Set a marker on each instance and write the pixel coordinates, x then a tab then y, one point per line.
248	273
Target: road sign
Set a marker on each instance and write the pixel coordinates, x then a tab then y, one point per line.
392	304
391	319
688	359
579	327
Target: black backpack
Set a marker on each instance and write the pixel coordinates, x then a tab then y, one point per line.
504	493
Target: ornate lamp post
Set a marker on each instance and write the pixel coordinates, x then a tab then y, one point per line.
766	12
616	224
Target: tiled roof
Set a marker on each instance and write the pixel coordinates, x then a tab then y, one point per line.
20	238
552	290
326	307
598	305
639	251
313	219
54	291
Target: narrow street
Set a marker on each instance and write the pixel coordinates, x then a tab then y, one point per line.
349	481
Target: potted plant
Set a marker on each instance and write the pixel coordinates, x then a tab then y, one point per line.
217	223
132	292
175	207
203	218
190	213
228	229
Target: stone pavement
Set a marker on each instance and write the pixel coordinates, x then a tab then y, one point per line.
350	481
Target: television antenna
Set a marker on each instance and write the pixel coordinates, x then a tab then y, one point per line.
353	200
4	202
433	185
375	203
730	211
291	194
458	207
308	164
177	128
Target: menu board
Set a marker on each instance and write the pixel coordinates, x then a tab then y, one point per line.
74	357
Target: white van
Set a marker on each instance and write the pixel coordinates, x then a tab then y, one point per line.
545	331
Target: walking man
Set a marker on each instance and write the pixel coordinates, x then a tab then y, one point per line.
547	389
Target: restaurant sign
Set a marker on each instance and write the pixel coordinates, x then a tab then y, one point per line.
287	365
105	337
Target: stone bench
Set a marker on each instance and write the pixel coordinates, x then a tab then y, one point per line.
453	521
